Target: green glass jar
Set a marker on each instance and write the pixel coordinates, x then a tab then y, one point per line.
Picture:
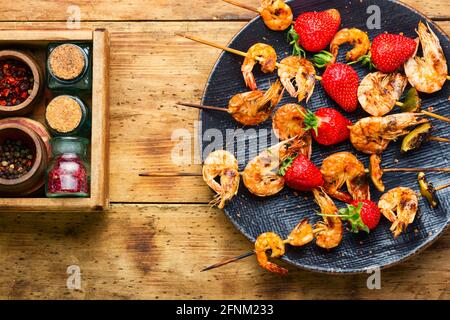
68	174
67	115
69	66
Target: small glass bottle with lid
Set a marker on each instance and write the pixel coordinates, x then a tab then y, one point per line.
67	115
69	66
68	174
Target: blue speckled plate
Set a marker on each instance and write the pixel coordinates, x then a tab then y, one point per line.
280	213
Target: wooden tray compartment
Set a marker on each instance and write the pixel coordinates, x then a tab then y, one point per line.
36	41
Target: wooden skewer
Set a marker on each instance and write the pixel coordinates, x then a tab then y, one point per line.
227	261
234	259
434	115
438	139
415	169
199	106
231	50
442	187
428	113
448	78
180	174
242	5
411	170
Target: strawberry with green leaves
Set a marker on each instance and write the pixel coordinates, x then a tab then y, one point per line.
362	215
389	52
328	126
300	173
313	31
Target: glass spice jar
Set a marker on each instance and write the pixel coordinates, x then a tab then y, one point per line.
68	174
69	66
67	115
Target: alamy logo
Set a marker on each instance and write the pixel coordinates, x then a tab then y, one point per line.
74	18
74	280
374	20
374	280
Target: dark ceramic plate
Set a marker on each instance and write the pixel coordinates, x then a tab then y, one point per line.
280	213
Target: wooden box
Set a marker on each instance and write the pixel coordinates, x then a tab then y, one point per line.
36	41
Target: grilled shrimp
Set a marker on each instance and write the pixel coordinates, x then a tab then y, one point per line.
356	38
328	232
261	173
378	92
276	14
268	59
376	173
287	123
428	73
373	134
344	168
304	73
302	234
273	242
221	163
254	107
399	206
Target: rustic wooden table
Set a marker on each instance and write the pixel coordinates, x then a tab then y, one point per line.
160	231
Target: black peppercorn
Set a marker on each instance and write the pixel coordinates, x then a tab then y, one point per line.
15	159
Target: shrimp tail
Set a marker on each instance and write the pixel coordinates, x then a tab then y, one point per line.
272	267
250	81
287	83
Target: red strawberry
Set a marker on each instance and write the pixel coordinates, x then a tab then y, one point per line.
315	30
301	174
341	82
390	51
361	214
328	126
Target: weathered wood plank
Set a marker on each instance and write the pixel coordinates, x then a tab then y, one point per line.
149	73
112	10
144	251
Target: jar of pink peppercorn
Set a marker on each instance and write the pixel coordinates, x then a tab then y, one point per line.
68	174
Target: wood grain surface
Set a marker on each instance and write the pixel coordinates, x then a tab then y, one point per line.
160	232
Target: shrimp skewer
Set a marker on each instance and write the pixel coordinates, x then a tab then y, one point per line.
357	38
301	235
261	176
399	206
276	14
344	168
373	134
266	56
428	73
378	92
287	123
223	164
300	69
302	78
249	108
328	233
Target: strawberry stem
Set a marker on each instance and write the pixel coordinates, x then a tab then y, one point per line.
365	60
286	164
292	38
352	215
322	59
311	121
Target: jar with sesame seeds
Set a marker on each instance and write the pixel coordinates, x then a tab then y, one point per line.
67	115
69	66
